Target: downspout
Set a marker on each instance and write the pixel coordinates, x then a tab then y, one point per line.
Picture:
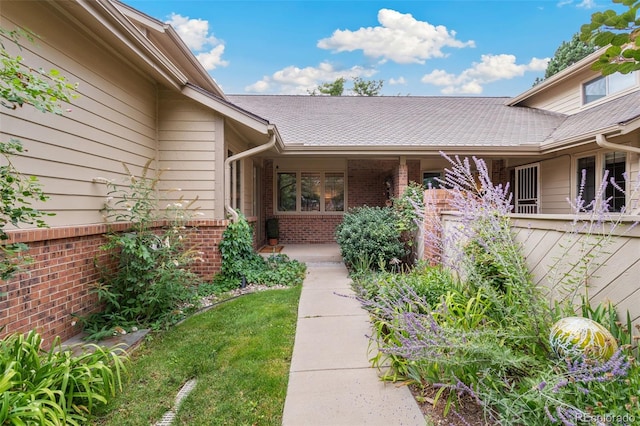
227	171
602	142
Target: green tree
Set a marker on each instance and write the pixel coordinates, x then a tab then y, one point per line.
567	54
360	87
619	31
335	88
21	85
363	87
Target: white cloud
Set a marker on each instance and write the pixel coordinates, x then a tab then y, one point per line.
397	81
399	38
261	86
195	33
587	4
491	68
212	59
298	81
583	4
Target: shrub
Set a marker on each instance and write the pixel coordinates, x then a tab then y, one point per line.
151	279
54	387
242	265
371	233
407	208
488	337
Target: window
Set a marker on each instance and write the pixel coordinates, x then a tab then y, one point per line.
310	191
334	192
586	178
607	85
613	164
430	179
287	186
236	183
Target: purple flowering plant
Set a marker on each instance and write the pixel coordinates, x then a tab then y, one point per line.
483	331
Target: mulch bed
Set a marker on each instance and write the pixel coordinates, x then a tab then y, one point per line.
466	413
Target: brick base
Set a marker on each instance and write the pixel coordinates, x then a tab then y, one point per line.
56	285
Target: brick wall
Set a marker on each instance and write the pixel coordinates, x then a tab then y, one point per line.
401	179
365	186
413	170
366	181
308	229
205	238
57	283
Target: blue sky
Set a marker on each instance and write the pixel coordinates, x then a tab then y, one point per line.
419	48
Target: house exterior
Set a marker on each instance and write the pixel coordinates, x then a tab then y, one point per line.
303	159
141	95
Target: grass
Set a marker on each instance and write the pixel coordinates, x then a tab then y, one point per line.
239	352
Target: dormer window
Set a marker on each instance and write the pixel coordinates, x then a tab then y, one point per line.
607	85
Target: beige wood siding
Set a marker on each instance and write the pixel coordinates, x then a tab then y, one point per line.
186	145
112	121
565	97
552	254
555	185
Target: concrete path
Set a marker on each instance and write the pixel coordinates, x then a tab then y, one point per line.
331	381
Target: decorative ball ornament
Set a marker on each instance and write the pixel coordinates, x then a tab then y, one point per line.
574	337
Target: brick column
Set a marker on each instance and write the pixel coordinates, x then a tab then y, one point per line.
400	179
435	201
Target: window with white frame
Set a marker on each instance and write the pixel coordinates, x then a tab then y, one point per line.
607	85
310	192
236	182
592	169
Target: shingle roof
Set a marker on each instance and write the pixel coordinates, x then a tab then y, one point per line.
614	112
400	121
416	121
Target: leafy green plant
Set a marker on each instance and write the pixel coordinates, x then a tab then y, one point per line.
55	387
370	232
236	250
408	205
21	85
488	335
151	281
241	264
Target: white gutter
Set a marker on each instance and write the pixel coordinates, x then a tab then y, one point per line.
602	142
240	156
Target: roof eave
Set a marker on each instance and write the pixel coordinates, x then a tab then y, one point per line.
412	150
111	18
233	112
557	78
169	33
618	129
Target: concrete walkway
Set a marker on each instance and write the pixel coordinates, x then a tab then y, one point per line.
331	381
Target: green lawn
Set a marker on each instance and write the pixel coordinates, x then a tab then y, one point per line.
239	352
